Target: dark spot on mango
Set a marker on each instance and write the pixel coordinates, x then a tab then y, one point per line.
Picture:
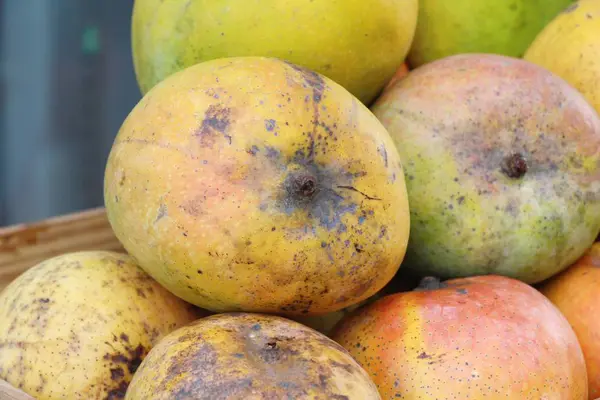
423	356
461	291
358	248
312	79
571	8
430	283
192	207
117	373
118	392
270	125
130	358
162	212
216	121
44	300
383	153
195	358
311	188
514	166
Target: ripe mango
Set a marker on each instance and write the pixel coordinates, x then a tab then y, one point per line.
359	44
505	27
569	46
252	357
253	184
502	166
575	293
78	325
479	338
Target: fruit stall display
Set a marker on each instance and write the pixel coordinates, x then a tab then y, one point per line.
394	199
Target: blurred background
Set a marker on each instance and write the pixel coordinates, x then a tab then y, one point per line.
66	85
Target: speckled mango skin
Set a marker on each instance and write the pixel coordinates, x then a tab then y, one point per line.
479	338
253	357
78	325
403	281
359	44
575	293
455	122
252	184
569	47
447	28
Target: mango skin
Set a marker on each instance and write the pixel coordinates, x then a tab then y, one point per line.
252	184
249	356
359	44
575	293
403	71
78	325
456	123
447	28
569	47
404	280
487	337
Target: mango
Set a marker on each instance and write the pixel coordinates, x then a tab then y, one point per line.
358	44
502	167
503	27
77	326
575	293
479	338
400	74
249	356
569	47
253	184
404	280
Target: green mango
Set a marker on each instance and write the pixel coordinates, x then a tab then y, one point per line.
505	27
359	44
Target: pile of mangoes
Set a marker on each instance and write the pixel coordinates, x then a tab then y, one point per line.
327	199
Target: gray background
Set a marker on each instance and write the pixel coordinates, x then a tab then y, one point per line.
66	85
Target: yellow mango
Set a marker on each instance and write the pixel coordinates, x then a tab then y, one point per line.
253	184
78	325
569	46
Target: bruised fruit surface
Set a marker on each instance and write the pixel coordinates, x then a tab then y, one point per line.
359	44
488	337
569	47
502	160
252	184
575	293
77	326
250	356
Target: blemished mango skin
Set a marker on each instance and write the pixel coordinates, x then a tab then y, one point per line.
252	184
358	44
480	338
252	357
575	293
78	325
569	46
502	164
